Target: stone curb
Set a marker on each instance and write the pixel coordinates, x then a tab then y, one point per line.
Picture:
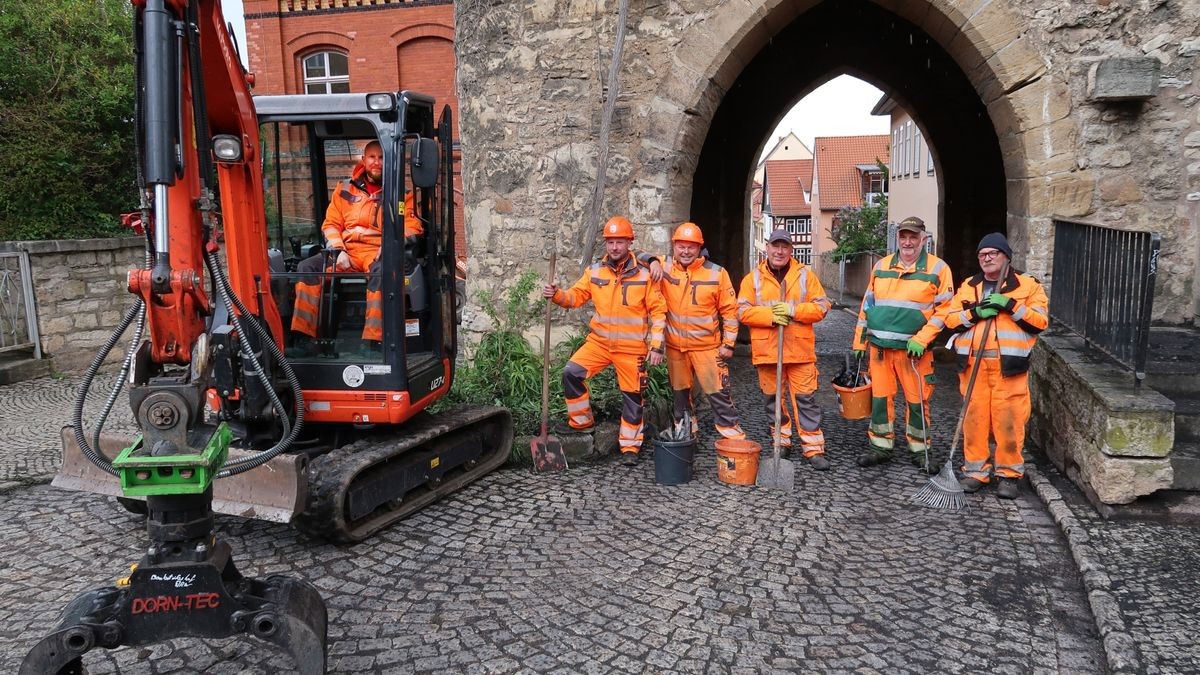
1120	650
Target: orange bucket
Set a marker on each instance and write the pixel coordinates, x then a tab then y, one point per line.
737	461
854	402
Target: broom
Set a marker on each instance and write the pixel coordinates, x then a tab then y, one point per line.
943	491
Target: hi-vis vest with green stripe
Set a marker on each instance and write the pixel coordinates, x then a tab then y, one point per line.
900	304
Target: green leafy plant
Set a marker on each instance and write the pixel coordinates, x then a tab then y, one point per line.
505	370
860	229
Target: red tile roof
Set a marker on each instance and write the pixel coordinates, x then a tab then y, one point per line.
840	182
787	181
756	197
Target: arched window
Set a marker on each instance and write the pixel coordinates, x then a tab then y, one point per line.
326	73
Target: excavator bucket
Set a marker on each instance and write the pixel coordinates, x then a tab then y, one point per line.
275	492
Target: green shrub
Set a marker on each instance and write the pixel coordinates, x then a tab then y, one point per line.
506	370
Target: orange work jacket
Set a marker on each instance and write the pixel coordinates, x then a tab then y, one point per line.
353	221
701	306
629	310
803	291
903	303
1013	335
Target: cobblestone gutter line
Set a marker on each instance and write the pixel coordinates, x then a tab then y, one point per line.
1119	647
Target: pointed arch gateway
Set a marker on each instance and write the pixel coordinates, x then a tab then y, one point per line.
980	93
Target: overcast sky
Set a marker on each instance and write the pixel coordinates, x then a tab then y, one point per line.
840	107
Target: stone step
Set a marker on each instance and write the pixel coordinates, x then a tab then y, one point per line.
19	367
1185	462
1187	418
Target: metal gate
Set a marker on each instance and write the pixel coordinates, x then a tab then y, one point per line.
18	315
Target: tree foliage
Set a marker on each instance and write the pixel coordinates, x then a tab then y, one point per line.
859	229
66	118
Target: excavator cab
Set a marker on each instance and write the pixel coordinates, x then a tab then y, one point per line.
402	350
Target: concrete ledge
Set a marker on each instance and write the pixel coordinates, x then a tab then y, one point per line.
14	370
72	245
1109	437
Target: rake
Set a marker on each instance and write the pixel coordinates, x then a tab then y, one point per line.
943	491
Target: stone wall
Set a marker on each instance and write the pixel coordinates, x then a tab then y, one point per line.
1110	437
531	83
80	292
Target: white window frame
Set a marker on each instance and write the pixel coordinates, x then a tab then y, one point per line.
329	83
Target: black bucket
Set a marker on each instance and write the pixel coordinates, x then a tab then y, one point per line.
673	461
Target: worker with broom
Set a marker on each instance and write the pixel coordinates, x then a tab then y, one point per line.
784	292
626	331
998	404
903	310
702	328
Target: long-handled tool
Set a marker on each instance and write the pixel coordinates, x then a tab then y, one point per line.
943	490
546	450
779	474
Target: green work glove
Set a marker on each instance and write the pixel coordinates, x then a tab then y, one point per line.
1000	301
860	354
915	349
984	311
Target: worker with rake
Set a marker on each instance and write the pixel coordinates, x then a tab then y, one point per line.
626	331
1016	308
702	328
903	311
782	292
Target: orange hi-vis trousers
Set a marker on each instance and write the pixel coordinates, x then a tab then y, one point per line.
590	359
703	366
308	293
889	367
800	383
999	406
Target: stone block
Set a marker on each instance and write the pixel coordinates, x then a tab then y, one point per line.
1065	194
1120	188
1112	438
1123	79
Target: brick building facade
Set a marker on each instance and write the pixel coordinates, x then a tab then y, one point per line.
298	46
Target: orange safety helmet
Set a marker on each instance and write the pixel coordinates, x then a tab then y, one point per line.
688	232
618	227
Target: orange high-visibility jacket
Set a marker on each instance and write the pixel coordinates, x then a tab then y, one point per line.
803	291
629	308
353	219
1014	334
904	303
698	296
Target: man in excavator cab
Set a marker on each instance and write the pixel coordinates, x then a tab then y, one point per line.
352	231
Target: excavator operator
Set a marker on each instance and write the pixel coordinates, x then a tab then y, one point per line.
353	230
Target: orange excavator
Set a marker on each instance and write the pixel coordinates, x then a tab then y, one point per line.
237	414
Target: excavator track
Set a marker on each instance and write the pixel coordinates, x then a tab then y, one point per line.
367	485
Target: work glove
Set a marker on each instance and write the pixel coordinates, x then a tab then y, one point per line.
984	311
1000	302
782	313
860	354
915	349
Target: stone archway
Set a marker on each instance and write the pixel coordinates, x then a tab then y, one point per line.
978	91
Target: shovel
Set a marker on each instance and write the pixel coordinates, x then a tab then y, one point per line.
545	449
778	474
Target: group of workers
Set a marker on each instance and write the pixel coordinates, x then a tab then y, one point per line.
684	310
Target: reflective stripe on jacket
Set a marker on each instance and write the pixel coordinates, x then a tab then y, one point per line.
904	303
629	309
697	297
353	218
1014	334
803	291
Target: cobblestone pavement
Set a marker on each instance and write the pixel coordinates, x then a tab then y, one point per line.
601	570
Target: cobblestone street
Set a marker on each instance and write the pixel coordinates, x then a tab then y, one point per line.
601	570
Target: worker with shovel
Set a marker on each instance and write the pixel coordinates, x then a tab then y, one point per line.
903	310
783	293
998	404
626	331
702	327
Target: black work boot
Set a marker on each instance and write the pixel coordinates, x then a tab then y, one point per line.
970	484
818	462
564	428
629	458
873	457
918	460
1008	488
